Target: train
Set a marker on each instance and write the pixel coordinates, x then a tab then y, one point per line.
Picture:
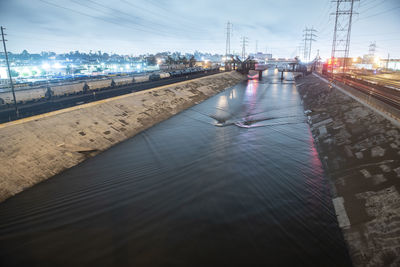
50	90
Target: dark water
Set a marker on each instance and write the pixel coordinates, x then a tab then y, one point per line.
235	180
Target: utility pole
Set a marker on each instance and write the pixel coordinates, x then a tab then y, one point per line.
305	39
308	39
256	46
244	42
9	70
342	31
387	63
228	39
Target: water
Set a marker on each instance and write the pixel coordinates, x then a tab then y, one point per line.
235	180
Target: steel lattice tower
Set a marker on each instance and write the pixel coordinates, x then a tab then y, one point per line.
308	39
342	31
245	41
372	49
228	39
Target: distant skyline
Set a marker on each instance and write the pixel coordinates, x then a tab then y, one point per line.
139	27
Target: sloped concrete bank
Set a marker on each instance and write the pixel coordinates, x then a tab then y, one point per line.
37	148
360	150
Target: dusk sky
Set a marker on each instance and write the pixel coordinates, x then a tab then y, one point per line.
138	27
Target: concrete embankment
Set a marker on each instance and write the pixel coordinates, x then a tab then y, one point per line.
37	148
360	150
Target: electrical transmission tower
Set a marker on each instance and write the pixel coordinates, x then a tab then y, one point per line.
300	48
256	46
308	39
342	31
244	42
9	70
228	39
372	50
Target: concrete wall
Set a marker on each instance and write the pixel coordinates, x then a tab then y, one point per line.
360	151
37	148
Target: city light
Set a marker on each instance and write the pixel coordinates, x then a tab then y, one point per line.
26	72
46	66
57	65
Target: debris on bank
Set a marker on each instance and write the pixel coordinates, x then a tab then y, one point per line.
360	151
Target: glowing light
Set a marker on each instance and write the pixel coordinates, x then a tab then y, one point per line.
377	60
26	71
57	66
138	67
354	59
127	67
46	66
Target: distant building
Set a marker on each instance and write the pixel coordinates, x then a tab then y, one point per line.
392	64
261	57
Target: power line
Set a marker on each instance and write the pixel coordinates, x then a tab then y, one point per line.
109	21
380	13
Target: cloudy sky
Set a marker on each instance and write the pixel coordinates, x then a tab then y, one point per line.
147	26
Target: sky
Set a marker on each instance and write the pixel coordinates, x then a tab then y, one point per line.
136	27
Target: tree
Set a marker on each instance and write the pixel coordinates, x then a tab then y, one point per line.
170	61
151	60
183	60
192	62
14	73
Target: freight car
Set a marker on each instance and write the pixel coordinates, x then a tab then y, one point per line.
49	90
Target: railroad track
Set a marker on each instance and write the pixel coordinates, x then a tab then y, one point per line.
56	103
387	95
387	82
